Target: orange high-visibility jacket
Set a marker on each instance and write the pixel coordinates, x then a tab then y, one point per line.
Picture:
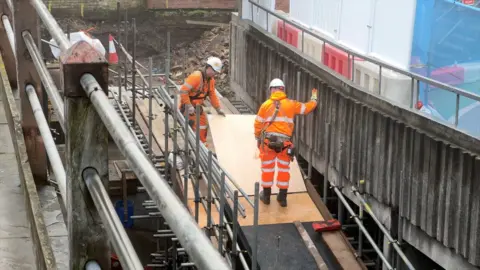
283	122
195	90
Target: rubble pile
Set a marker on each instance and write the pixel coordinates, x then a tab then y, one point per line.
189	57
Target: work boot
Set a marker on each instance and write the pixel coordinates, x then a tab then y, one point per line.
282	197
265	195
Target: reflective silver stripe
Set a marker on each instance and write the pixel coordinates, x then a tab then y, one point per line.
187	85
302	110
280	119
203	127
268	162
286	163
268	170
184	92
282	184
267	183
283	170
260	119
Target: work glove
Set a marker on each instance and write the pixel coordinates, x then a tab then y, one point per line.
314	94
221	112
190	109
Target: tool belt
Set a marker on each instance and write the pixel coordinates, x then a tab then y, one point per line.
278	144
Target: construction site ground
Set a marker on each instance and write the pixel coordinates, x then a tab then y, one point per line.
194	36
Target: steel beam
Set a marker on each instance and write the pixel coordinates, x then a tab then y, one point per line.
87	147
27	74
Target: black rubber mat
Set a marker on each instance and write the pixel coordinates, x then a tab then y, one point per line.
280	246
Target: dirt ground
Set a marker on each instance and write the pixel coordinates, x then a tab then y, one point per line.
191	44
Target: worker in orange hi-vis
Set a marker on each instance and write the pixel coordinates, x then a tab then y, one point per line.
197	87
273	131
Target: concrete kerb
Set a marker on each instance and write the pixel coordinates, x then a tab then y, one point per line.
42	246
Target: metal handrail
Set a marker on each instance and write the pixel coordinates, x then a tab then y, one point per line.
362	228
192	139
176	215
10	34
455	90
189	234
204	153
51	24
50	147
118	237
458	91
217	169
46	78
383	229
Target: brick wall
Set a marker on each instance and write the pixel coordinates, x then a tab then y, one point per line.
197	4
154	4
91	4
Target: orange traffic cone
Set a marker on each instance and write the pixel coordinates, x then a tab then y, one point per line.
112	53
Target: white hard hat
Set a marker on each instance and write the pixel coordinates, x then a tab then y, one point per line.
276	83
215	63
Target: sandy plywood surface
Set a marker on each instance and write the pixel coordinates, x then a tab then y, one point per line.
300	207
237	152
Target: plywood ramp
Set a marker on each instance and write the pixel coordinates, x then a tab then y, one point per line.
237	152
300	207
232	139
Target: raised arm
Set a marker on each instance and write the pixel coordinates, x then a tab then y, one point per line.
307	107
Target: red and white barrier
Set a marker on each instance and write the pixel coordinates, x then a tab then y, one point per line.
112	52
394	86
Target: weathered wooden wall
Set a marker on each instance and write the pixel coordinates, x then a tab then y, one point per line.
428	171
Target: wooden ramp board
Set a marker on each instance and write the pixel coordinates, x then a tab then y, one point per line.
300	207
237	152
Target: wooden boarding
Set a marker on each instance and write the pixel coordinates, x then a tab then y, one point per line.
158	130
237	152
300	207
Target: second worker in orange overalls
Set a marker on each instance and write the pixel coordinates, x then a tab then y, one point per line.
273	130
197	87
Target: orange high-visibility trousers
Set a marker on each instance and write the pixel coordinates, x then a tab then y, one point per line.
203	125
269	159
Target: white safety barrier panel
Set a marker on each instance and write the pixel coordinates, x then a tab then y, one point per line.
394	86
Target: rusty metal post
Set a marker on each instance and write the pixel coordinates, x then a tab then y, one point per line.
87	147
27	74
8	53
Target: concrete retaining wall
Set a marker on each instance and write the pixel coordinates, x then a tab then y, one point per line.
427	171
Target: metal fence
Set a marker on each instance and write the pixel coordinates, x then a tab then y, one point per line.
88	118
417	81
